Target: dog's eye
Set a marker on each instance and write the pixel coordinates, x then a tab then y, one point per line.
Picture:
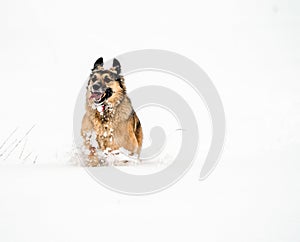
113	76
94	78
106	79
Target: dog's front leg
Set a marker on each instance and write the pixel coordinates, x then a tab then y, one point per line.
90	144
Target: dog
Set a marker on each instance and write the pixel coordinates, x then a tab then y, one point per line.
110	117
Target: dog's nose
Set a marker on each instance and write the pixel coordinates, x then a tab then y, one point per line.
96	87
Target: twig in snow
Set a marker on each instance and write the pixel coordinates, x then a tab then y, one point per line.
11	134
23	148
27	156
20	141
8	147
35	159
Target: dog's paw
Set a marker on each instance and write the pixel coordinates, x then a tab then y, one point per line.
120	163
124	160
95	161
92	163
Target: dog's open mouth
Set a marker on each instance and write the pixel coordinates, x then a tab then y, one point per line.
101	97
98	97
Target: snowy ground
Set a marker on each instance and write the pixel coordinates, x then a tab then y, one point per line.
250	49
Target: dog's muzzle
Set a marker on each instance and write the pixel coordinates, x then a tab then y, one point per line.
99	97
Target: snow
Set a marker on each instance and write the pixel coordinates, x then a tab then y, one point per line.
251	52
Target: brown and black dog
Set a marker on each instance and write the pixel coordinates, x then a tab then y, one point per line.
109	114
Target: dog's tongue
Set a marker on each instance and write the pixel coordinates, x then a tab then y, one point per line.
95	95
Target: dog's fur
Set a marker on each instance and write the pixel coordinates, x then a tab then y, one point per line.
109	113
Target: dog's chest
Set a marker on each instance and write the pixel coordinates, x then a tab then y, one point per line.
105	113
104	125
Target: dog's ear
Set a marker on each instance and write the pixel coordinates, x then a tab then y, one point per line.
117	66
98	62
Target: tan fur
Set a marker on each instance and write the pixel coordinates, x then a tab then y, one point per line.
118	126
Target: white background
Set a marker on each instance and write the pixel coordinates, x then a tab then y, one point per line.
251	51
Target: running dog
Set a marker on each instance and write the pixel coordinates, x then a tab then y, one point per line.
110	117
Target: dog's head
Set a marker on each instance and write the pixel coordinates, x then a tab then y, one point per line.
105	85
